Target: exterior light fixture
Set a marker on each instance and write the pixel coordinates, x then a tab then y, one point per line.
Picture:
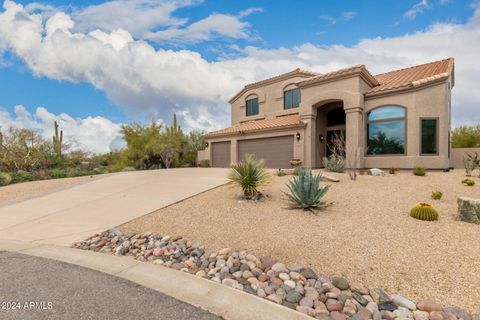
321	137
298	136
206	145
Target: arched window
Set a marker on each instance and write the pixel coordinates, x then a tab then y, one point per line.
386	130
251	106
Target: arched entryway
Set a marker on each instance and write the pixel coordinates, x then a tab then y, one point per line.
330	128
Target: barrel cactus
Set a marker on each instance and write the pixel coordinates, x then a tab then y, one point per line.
424	211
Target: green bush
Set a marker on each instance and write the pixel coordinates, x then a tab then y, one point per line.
126	169
22	176
5	179
306	192
100	170
334	163
468	182
281	173
420	171
204	163
436	195
424	211
57	173
78	172
249	174
299	170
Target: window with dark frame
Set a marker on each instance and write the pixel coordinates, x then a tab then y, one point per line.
251	107
386	133
291	98
429	136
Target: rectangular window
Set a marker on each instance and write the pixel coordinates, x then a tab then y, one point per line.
291	98
429	136
252	107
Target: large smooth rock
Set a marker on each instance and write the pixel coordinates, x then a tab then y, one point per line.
375	172
401	301
468	210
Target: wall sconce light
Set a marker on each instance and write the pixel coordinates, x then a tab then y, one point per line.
321	137
206	145
298	136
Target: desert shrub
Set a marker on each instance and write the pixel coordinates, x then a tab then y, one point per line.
249	174
100	170
126	169
424	211
468	182
79	172
299	170
306	192
420	171
334	163
22	176
393	170
57	173
41	174
437	195
5	179
471	162
466	137
204	163
281	173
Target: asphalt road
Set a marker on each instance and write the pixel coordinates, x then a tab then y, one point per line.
37	288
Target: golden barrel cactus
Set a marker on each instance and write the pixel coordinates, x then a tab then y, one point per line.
424	211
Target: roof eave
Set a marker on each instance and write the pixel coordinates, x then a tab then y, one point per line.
296	125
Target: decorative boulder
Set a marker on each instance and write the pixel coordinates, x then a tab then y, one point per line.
468	210
376	172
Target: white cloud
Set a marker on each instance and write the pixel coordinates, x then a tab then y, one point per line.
416	9
344	16
135	16
144	80
95	134
212	27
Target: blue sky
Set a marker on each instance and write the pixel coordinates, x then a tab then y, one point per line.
211	47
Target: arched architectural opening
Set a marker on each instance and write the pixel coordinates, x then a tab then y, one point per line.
330	130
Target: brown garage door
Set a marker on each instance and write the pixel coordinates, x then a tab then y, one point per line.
221	154
277	151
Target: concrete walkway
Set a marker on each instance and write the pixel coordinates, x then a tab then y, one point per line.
73	214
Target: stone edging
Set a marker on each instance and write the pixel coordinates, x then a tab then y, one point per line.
208	295
296	287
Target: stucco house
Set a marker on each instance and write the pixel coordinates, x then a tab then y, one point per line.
395	119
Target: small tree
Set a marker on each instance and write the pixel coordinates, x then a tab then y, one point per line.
466	137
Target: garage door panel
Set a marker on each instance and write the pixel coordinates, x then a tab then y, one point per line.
276	151
221	154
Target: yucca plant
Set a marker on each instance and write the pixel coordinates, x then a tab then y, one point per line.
306	192
249	174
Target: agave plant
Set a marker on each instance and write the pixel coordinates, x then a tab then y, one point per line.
306	192
249	174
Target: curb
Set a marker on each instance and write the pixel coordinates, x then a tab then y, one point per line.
216	298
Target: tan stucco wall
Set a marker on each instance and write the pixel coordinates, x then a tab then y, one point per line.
427	102
457	154
270	99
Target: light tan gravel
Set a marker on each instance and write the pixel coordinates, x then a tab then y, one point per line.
21	191
366	236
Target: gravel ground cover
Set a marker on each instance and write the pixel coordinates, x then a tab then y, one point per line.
366	236
24	190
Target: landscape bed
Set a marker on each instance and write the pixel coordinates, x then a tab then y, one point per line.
366	236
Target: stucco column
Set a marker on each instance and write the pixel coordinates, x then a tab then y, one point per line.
309	140
354	135
233	151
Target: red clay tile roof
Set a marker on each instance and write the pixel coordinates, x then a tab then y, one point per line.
258	125
358	69
413	76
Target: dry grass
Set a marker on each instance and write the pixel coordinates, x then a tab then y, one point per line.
25	190
367	235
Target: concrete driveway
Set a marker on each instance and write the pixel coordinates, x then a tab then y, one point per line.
73	214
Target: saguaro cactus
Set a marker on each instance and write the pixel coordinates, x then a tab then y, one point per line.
57	140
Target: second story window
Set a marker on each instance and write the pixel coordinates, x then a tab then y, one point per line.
291	98
252	107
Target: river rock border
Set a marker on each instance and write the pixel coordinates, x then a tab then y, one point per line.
296	286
